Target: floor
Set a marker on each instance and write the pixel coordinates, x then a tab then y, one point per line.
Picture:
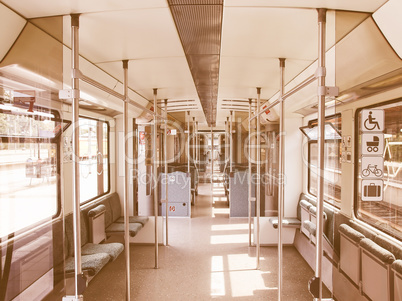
208	257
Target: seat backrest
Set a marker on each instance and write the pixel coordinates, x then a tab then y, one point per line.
114	201
366	232
69	232
386	244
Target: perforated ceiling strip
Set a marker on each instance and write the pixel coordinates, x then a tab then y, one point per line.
199	24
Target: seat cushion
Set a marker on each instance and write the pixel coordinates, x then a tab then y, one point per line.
118	228
90	263
134	219
112	249
286	222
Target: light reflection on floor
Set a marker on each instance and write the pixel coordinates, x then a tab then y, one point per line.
208	257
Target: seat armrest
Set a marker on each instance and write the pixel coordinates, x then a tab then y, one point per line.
97	210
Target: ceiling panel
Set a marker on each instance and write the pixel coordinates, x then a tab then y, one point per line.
14	25
149	40
245	73
355	5
374	59
385	18
252	60
42	8
270	33
170	75
135	34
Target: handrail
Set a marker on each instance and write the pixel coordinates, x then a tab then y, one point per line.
300	86
114	93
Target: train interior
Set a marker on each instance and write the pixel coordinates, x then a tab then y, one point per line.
213	149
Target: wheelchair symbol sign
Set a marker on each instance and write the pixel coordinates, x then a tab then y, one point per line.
372	120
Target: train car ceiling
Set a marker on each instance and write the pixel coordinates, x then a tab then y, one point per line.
156	57
360	73
44	58
14	24
392	30
146	35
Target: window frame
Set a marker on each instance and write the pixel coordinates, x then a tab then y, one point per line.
83	203
356	207
309	143
56	140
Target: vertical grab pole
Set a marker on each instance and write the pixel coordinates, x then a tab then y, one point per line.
258	192
227	140
196	145
249	172
198	148
321	137
155	180
281	175
231	142
226	133
212	158
126	177
166	177
188	142
193	141
76	174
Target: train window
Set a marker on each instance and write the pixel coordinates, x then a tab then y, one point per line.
29	166
332	157
94	158
378	187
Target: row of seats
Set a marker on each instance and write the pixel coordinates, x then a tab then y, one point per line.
172	167
371	262
307	214
94	255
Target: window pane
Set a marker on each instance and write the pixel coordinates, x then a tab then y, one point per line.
94	160
28	171
332	165
387	213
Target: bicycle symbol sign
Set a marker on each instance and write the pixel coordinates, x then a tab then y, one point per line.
372	167
372	120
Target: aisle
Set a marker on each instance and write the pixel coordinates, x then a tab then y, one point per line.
208	258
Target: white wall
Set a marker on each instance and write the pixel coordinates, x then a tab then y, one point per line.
293	165
120	160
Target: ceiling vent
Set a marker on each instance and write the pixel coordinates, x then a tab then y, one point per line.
199	25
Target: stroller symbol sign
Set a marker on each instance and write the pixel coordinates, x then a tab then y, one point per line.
372	144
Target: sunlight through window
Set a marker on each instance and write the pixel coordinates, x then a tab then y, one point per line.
229	227
217	276
216	212
229	239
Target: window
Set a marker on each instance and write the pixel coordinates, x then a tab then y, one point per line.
383	207
332	159
94	158
29	166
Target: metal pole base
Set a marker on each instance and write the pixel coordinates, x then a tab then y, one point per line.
73	298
